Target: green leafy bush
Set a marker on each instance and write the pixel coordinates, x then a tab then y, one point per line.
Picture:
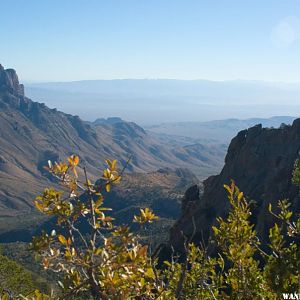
14	279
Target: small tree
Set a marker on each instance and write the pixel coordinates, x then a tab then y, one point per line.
199	277
238	243
108	262
283	266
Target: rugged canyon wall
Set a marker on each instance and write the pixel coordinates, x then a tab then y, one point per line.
260	161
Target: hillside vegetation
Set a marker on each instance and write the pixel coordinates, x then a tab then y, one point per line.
110	262
15	279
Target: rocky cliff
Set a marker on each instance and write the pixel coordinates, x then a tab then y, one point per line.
260	161
9	82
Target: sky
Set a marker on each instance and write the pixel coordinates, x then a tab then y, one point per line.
66	40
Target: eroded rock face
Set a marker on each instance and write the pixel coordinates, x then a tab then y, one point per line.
9	81
260	161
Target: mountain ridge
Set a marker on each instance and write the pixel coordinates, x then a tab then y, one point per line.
31	134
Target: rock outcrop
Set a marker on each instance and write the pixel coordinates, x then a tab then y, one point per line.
9	82
260	161
190	199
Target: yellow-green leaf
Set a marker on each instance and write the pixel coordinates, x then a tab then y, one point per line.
63	240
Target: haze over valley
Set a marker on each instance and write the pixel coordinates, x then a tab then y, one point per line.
150	102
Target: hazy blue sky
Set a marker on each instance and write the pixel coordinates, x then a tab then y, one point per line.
103	39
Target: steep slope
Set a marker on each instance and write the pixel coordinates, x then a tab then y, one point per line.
161	190
260	161
31	133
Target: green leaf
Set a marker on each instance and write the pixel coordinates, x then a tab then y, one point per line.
149	273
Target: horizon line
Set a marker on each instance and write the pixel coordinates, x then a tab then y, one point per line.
26	81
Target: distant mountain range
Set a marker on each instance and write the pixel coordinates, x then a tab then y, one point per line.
149	102
212	132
